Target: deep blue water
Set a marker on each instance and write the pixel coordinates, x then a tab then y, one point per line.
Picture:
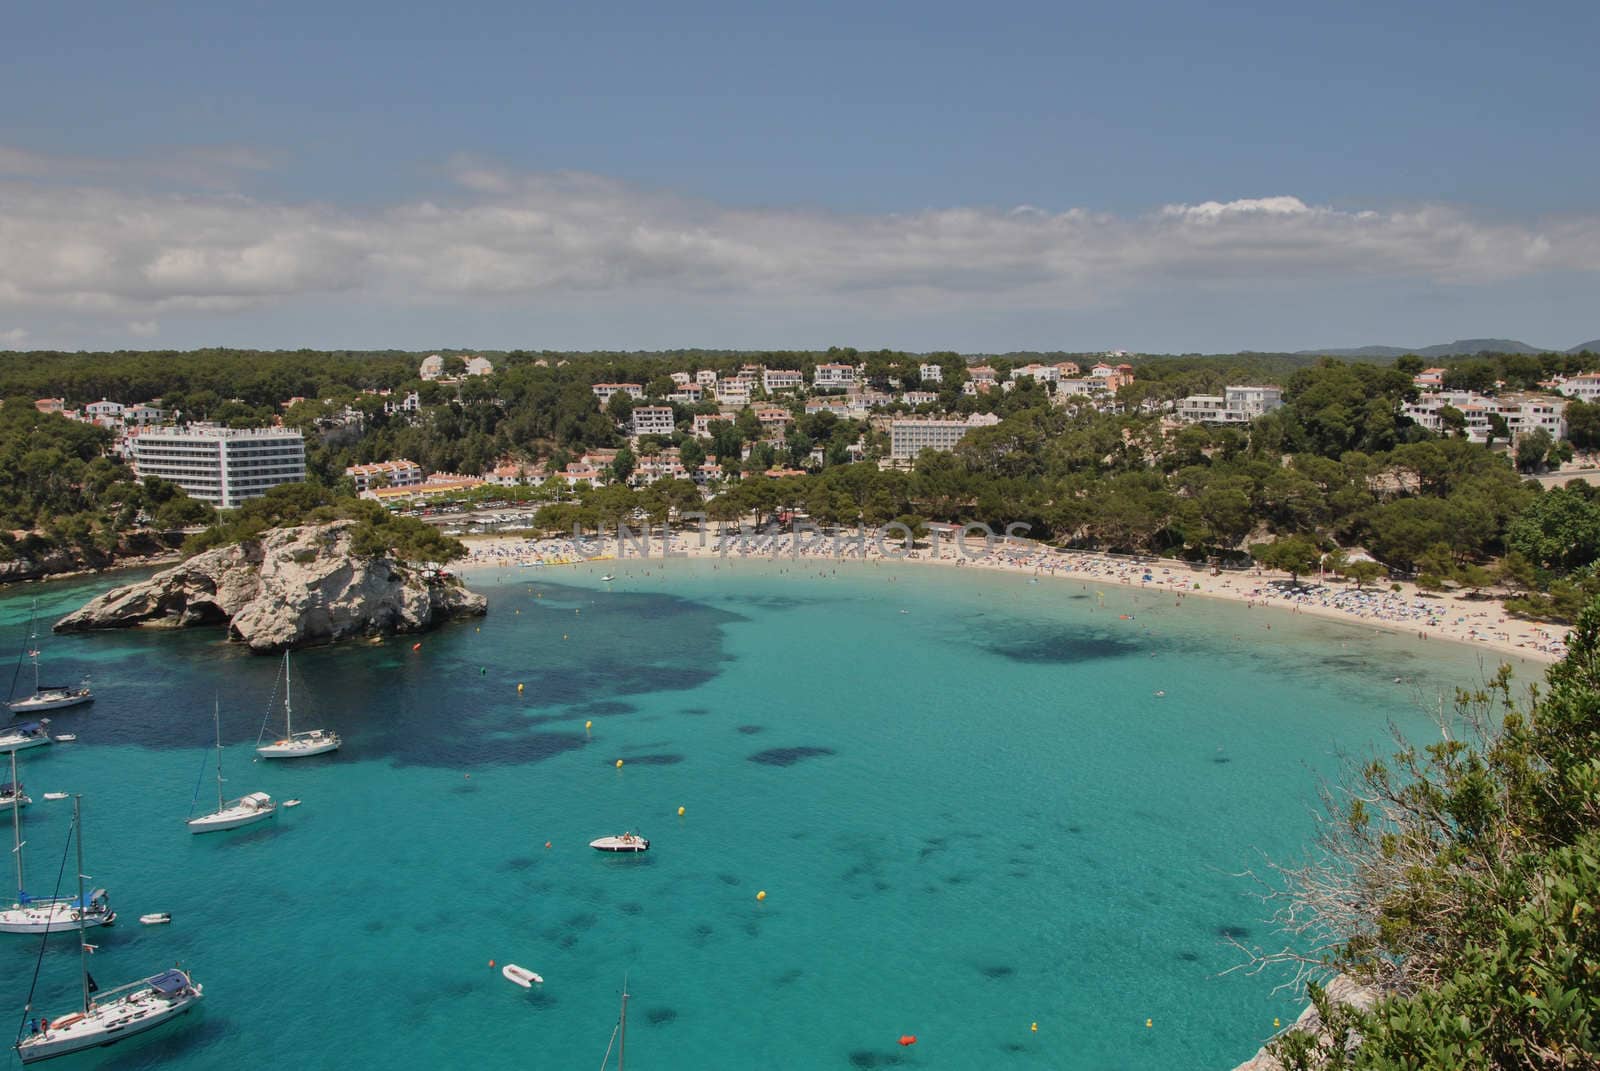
968	816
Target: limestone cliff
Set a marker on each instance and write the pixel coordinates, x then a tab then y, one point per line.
293	587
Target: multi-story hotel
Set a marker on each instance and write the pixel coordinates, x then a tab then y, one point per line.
222	466
908	438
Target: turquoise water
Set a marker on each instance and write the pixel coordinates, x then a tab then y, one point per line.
968	816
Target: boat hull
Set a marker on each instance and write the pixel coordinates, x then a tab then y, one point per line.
297	751
211	823
40	704
34	920
16	743
106	1026
624	845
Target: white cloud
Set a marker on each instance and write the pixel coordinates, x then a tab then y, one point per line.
506	237
143	328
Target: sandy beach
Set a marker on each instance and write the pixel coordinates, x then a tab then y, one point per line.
1480	623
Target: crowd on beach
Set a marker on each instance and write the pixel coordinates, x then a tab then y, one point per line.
1398	607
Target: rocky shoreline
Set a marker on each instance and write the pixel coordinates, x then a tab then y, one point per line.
293	587
134	550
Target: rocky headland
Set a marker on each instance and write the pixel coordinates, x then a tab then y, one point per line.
290	588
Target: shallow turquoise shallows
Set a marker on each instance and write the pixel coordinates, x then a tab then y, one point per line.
968	807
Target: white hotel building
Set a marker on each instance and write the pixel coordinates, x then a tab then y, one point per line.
908	438
222	466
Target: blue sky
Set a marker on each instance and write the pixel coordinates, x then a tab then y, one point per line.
1156	176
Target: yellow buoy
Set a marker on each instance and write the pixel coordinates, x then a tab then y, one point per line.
680	812
619	764
519	689
1149	1023
588	725
1275	1021
1034	1028
762	895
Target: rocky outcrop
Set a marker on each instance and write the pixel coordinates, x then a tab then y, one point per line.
293	587
1341	991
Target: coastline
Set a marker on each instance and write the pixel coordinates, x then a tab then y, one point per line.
1479	624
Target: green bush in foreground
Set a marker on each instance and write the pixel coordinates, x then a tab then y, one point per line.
1464	880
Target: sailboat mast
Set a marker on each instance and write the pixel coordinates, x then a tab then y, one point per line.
622	1037
33	643
83	949
288	711
216	717
16	824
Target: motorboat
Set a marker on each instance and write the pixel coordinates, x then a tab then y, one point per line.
11	795
22	737
55	795
295	745
66	738
627	842
156	918
231	814
521	976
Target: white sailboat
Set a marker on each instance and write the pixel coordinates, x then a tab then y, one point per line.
297	745
45	696
21	737
110	1016
41	915
231	814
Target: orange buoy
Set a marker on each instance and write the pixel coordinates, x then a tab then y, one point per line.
416	646
547	844
908	1039
491	963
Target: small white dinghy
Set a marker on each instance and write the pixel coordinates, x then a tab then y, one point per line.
628	842
520	975
159	918
608	578
55	795
291	803
66	738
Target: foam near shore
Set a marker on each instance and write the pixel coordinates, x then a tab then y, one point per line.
1481	623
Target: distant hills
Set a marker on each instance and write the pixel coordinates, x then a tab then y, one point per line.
1461	347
